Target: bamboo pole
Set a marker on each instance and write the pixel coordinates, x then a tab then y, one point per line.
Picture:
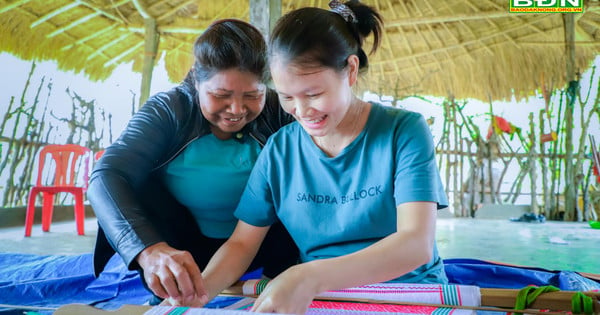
151	41
264	14
461	164
546	197
492	145
555	164
533	166
444	137
570	171
457	163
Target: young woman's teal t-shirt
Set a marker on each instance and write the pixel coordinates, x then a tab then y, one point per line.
335	206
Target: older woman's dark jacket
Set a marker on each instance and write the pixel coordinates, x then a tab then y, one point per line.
126	189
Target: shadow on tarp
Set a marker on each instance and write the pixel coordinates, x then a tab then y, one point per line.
55	280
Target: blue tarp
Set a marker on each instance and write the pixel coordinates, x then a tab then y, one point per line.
486	274
53	281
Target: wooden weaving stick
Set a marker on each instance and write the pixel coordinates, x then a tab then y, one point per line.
559	300
498	299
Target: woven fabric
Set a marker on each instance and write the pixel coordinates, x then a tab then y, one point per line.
180	310
241	307
397	292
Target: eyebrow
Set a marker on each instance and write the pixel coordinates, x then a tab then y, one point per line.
311	89
231	91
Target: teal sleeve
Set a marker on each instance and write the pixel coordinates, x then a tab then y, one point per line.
416	175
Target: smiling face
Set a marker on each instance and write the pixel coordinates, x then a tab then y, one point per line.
318	97
230	99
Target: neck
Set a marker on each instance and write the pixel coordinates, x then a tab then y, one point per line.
348	129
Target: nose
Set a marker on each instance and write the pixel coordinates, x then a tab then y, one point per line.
300	108
237	106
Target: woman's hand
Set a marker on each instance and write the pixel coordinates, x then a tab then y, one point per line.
291	292
173	275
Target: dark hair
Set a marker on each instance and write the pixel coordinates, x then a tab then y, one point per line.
228	44
318	37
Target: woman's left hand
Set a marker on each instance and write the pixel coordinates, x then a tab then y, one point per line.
291	292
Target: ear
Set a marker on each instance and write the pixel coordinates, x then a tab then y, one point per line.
353	65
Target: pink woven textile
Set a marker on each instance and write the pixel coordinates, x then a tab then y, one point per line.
365	300
316	308
397	292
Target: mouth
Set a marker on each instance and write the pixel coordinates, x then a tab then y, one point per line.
234	120
315	120
314	123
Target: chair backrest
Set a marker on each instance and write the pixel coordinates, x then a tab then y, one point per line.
66	158
98	155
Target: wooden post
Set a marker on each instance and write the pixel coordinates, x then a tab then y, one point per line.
492	145
151	40
264	14
456	195
570	188
546	193
532	166
556	164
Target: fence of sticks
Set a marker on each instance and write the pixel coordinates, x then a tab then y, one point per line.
30	122
477	165
500	165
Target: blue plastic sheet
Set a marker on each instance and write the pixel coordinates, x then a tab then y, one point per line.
53	281
495	275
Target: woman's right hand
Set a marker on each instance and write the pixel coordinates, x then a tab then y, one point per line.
173	274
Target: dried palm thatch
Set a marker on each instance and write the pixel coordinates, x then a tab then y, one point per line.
467	48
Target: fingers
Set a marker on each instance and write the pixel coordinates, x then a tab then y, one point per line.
198	283
174	275
188	278
268	306
155	285
260	306
162	283
171	285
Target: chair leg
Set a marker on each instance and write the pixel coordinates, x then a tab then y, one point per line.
30	213
79	212
47	210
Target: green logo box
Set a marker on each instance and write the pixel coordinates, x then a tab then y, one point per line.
546	6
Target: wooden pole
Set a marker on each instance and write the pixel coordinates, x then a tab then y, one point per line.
264	14
555	164
546	193
455	163
151	40
570	187
532	166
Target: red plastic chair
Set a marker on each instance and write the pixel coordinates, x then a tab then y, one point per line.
98	155
65	157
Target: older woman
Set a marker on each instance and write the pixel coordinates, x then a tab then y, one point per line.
164	193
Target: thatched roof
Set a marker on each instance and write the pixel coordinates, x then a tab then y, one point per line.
467	48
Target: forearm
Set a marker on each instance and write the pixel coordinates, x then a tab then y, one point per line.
226	266
120	216
233	258
385	260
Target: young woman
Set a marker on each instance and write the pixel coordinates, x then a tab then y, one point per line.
164	192
355	183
